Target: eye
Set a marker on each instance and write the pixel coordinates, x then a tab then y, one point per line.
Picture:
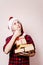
14	23
19	26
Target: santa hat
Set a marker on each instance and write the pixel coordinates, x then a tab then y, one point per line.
11	20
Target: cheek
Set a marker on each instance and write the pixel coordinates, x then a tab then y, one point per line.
15	27
19	26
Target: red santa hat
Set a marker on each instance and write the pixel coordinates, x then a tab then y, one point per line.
11	20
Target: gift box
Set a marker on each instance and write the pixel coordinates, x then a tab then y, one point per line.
25	50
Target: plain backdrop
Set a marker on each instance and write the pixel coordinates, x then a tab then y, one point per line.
30	14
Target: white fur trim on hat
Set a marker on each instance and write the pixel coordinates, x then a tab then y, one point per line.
11	21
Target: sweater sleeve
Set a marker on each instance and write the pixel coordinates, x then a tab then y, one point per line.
29	40
6	42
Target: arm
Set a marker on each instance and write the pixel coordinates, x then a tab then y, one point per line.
30	41
10	43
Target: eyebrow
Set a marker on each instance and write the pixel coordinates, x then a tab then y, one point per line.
18	22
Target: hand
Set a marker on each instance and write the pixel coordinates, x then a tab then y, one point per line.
17	33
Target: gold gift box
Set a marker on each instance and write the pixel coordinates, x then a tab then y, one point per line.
25	50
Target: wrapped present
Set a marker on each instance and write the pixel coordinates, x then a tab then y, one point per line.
25	50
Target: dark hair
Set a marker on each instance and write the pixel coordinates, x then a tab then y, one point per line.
21	27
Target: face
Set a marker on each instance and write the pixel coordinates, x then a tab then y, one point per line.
15	26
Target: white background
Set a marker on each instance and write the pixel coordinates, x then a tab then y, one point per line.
30	13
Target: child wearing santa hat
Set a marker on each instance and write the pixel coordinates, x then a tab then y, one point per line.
16	27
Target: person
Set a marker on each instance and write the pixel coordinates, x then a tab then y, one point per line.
16	27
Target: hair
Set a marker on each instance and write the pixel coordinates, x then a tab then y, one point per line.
21	27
